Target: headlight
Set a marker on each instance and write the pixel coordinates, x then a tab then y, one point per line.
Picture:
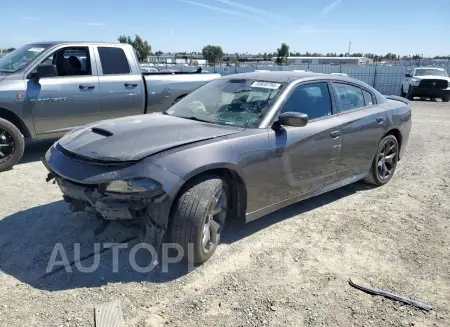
142	185
415	82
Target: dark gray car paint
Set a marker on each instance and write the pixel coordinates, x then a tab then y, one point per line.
277	167
115	141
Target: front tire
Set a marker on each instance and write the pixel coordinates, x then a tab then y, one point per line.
385	161
199	216
445	99
12	145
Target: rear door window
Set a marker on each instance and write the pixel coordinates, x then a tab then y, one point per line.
349	97
113	61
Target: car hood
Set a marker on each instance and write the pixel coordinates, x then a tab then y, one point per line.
136	137
2	76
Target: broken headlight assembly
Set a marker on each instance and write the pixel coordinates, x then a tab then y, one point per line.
140	186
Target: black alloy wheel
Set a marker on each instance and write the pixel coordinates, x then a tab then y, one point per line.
7	146
385	161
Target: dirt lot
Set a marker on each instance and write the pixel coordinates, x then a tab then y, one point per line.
287	269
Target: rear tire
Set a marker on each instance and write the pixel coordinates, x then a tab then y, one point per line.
445	99
198	218
385	161
12	145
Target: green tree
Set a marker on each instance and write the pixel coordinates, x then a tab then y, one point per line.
212	53
234	61
390	56
143	49
282	54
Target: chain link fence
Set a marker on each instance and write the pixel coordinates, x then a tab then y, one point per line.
385	78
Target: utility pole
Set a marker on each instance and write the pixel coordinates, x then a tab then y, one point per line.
349	47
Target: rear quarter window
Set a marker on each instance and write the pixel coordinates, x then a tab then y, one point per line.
368	98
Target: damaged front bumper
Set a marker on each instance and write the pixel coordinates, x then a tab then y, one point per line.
84	187
110	207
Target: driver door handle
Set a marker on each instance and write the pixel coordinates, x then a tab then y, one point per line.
131	84
335	134
87	87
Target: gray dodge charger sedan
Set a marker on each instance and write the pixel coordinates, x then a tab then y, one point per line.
241	146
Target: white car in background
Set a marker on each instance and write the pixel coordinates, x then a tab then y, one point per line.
428	82
146	69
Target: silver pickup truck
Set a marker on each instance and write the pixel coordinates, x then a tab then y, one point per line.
49	88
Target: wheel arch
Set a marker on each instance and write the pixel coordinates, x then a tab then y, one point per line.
16	121
235	182
398	135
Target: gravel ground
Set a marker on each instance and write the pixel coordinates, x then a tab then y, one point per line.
287	269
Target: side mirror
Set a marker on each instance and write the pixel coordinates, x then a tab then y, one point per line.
46	71
408	75
294	119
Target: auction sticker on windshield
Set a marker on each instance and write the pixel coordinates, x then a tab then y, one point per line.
36	49
266	85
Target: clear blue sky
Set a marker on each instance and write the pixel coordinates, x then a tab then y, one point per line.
399	26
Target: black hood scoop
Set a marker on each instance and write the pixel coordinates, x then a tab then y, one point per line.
136	137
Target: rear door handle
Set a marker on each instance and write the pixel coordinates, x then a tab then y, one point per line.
86	87
335	134
131	84
380	120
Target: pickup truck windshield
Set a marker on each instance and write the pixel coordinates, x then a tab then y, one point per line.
17	59
237	102
430	72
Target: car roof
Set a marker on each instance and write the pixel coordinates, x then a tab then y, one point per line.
425	67
291	76
275	76
52	43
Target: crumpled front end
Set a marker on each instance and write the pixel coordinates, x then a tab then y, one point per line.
129	190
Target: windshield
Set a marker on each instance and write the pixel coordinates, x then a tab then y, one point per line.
433	72
238	102
17	59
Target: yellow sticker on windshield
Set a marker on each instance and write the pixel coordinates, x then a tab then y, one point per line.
266	85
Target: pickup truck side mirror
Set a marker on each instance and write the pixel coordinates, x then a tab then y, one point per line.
408	75
46	71
295	119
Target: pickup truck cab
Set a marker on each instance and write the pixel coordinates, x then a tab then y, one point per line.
49	88
428	82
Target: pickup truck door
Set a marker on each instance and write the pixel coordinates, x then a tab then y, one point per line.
122	91
70	99
407	81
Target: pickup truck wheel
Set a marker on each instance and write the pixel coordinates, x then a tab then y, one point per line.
402	94
12	145
385	161
409	95
198	218
445	99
